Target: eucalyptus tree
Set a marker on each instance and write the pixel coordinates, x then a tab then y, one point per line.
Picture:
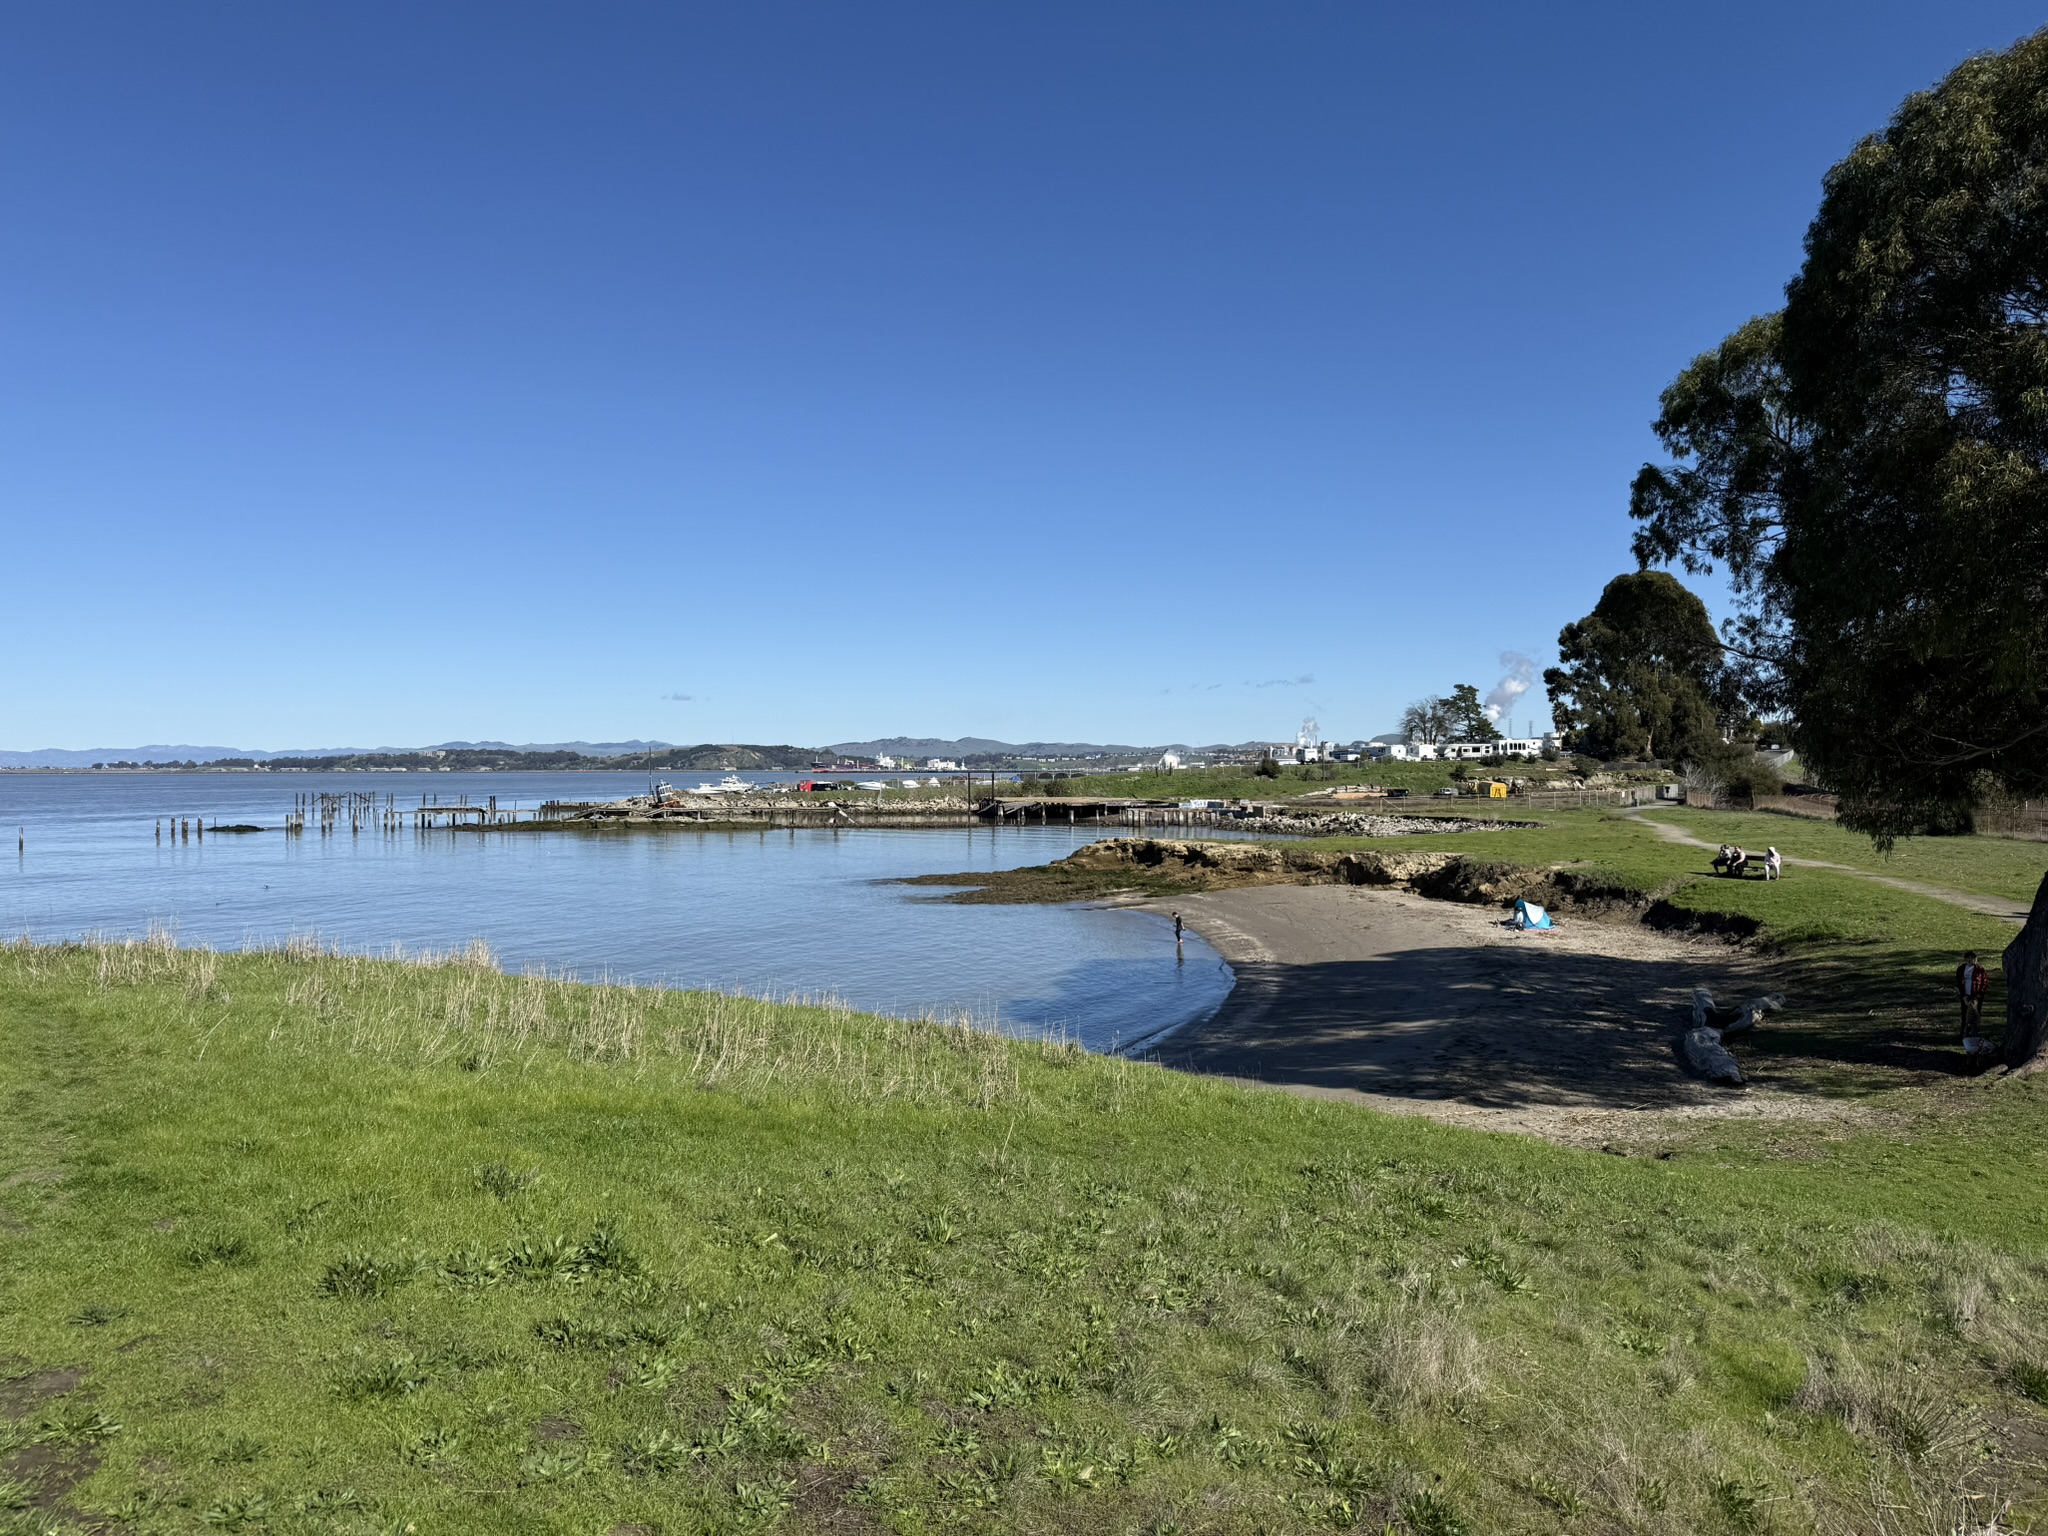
1870	466
1642	675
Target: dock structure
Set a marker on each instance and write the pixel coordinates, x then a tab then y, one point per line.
355	813
1108	810
781	811
359	812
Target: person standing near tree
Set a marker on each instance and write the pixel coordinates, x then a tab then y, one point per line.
1972	981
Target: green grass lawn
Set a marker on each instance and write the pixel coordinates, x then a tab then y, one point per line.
1991	866
1807	906
304	1243
1241	783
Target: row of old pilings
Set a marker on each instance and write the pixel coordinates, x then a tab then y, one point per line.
357	812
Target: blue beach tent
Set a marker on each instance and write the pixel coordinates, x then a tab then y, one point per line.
1529	915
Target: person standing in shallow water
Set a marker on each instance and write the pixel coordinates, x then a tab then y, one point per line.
1176	936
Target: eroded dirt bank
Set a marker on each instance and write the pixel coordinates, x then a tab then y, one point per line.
1165	866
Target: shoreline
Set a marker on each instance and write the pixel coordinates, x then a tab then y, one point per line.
1396	1002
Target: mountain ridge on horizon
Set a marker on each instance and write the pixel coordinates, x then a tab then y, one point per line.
972	746
65	757
919	747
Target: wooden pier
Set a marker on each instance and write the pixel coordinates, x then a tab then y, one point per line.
355	813
1104	811
361	812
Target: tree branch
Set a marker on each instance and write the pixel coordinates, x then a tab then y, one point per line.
1972	753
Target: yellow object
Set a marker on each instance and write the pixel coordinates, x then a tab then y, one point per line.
1495	790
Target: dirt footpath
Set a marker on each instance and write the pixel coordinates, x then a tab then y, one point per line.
1433	1008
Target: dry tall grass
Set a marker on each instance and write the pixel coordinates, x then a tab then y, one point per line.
458	1007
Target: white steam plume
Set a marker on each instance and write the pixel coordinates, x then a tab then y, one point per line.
1521	672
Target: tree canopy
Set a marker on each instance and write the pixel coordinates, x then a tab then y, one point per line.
1870	465
1642	675
1469	719
1427	720
1458	716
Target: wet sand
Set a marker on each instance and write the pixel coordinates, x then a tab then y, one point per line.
1385	998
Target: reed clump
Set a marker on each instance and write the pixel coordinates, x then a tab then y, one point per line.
439	1007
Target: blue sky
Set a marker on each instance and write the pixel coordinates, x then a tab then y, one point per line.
380	374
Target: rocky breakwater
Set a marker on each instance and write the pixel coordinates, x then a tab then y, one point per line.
779	809
1434	873
1274	818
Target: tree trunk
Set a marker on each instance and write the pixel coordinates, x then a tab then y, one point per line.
2026	991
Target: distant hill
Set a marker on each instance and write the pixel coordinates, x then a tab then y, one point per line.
60	757
453	755
582	748
732	756
476	759
982	746
970	748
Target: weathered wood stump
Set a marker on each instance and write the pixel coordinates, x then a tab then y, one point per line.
1710	1059
1706	1052
1707	1015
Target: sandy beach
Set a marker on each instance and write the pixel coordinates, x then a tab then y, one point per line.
1413	1006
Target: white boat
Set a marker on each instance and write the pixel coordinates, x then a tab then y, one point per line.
871	784
731	784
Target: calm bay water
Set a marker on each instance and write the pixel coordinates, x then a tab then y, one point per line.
775	911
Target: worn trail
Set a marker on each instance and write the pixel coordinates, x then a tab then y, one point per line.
1989	906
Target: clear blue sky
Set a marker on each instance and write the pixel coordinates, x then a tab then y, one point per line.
380	374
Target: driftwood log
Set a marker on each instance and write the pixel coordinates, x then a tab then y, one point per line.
1707	1015
1709	1058
1705	1051
2026	991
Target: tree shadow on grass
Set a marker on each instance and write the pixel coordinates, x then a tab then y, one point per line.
1867	1018
1514	1026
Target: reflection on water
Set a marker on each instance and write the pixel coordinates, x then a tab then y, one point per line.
782	911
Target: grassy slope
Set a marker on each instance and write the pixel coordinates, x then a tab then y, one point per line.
1808	906
1239	783
1992	866
903	1278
